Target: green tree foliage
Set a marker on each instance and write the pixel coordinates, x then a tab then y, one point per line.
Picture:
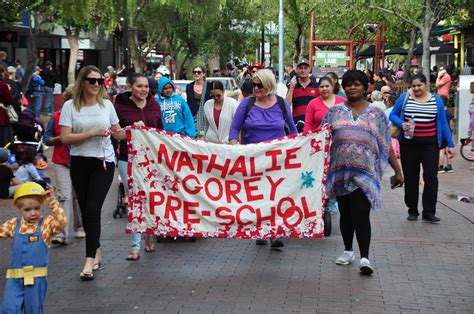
422	15
195	29
96	16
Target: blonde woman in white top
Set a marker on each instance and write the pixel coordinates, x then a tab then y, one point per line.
87	121
219	113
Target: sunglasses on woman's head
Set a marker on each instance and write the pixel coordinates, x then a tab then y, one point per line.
257	85
93	80
197	72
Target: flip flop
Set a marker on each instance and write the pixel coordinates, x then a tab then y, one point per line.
149	247
86	276
133	256
96	266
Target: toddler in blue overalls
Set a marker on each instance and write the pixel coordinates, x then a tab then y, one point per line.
27	280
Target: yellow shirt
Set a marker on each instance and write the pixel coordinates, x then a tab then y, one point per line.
52	225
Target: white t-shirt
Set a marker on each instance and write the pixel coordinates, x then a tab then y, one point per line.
87	119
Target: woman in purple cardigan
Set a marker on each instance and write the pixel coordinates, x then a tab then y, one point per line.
262	121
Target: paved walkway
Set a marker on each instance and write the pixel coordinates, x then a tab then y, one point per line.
420	267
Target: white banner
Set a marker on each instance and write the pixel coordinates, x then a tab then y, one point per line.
185	187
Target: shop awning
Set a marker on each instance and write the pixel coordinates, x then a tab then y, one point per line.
436	48
370	51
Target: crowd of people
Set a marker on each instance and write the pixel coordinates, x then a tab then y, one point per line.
95	113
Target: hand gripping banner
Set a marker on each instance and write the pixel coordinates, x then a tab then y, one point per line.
185	187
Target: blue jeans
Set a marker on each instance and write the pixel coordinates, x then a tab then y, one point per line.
38	100
48	105
122	166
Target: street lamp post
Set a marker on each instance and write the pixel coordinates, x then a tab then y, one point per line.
280	44
126	53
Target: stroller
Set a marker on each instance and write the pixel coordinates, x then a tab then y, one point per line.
19	143
121	209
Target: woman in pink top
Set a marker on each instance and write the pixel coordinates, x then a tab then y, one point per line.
443	82
318	107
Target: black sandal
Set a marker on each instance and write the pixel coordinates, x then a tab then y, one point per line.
133	256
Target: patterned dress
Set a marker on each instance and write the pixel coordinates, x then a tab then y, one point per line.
359	152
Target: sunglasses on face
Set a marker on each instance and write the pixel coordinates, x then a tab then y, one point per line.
197	72
93	80
257	85
216	96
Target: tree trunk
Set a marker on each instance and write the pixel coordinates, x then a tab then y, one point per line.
425	35
299	43
135	54
411	47
32	53
73	39
179	71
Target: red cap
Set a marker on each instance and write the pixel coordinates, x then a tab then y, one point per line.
256	65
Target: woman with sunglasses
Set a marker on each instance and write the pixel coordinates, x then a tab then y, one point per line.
318	107
137	107
219	113
86	121
263	121
197	93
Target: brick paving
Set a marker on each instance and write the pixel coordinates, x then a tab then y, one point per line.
419	268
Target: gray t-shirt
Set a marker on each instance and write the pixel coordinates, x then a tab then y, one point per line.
87	119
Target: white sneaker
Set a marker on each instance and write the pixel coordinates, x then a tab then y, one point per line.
365	267
80	234
346	258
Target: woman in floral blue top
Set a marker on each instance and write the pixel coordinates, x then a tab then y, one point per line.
360	151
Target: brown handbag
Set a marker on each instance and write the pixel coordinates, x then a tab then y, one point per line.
395	130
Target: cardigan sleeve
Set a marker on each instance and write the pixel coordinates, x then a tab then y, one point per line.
395	115
445	131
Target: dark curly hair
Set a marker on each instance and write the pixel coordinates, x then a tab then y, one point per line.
355	75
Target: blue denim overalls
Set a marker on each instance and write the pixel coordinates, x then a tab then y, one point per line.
27	281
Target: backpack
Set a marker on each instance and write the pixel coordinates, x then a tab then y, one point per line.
281	104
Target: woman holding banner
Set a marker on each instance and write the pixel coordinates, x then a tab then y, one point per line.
262	117
360	151
86	121
137	107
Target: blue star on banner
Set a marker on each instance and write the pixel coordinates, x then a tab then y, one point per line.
307	178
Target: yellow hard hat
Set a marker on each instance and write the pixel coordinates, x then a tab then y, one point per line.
27	189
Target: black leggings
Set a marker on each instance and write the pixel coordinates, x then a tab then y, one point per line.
411	156
355	212
91	183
